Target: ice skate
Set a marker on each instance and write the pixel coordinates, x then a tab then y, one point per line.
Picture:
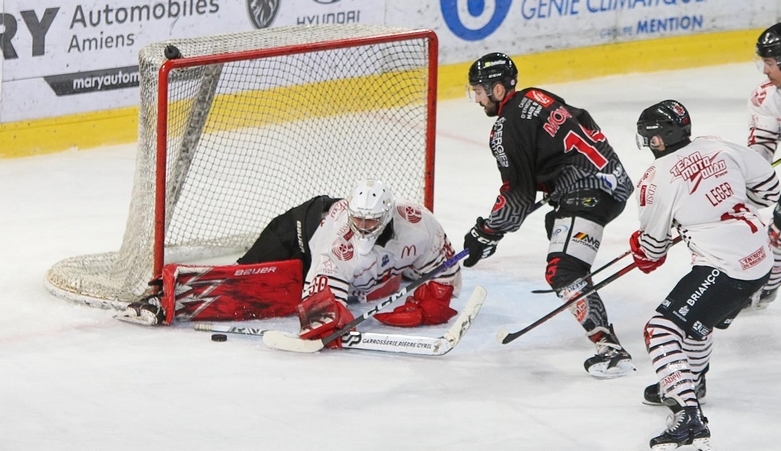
611	360
761	299
146	312
686	427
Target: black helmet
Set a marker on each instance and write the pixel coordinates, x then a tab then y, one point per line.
492	68
769	42
668	119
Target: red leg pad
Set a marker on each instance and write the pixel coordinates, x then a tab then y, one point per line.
429	305
231	293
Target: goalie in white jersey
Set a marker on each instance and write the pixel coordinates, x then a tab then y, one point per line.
709	190
315	259
764	107
362	250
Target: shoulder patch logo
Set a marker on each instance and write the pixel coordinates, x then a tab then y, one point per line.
343	250
342	247
410	213
758	96
540	97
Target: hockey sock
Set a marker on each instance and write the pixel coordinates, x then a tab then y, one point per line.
698	353
775	275
664	343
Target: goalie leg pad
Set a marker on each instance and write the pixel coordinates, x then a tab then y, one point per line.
231	293
429	305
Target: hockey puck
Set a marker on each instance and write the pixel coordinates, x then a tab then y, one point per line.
219	337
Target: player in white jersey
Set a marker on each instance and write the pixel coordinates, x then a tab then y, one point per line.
710	191
764	107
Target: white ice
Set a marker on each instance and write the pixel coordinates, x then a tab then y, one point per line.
73	378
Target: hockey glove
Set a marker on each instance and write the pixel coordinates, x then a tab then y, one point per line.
429	305
481	242
774	235
320	315
774	231
643	262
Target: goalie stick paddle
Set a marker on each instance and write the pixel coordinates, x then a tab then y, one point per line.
286	342
504	337
393	343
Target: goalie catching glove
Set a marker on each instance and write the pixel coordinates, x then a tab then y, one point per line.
429	305
481	242
320	315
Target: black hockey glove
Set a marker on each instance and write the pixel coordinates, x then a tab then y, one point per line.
481	242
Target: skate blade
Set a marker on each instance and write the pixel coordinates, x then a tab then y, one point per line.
652	403
621	369
702	444
665	447
140	320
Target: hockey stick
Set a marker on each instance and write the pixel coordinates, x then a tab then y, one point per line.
505	337
395	343
587	276
286	342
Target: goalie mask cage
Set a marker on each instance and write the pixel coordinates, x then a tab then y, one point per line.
238	128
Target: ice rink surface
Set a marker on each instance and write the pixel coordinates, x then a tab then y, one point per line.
73	378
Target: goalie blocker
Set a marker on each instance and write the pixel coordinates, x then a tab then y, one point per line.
223	293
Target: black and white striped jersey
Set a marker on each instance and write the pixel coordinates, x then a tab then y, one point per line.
710	190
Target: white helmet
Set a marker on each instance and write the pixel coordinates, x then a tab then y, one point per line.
369	210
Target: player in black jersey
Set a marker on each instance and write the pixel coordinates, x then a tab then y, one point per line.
543	144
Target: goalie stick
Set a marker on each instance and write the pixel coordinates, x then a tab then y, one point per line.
504	337
287	342
395	343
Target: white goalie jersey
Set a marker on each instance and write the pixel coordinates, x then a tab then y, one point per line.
764	106
417	245
710	190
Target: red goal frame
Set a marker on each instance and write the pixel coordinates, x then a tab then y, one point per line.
172	64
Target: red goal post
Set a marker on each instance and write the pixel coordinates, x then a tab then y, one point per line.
235	129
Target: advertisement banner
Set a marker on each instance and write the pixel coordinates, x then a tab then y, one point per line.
64	57
73	56
470	28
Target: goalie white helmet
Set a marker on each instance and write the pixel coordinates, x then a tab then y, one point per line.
369	212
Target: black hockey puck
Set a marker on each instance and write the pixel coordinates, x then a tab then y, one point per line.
171	52
219	337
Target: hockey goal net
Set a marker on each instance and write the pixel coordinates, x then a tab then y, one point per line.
236	129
